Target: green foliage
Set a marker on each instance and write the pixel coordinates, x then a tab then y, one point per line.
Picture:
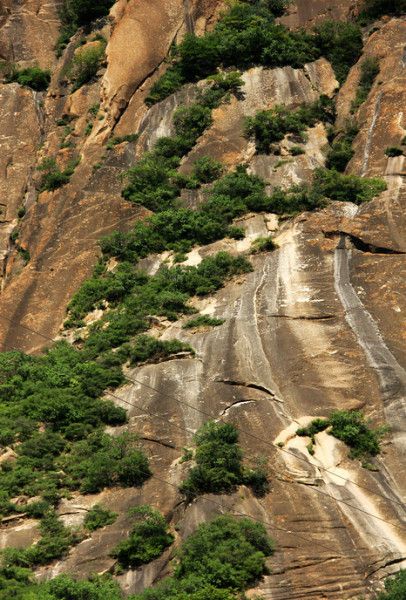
392	151
341	44
79	13
147	540
98	517
85	64
219	467
351	428
369	72
346	188
207	169
149	349
202	321
296	150
395	586
262	244
246	35
54	543
33	77
101	461
119	139
52	176
341	152
217	561
269	126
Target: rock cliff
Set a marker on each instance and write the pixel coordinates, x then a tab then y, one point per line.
318	325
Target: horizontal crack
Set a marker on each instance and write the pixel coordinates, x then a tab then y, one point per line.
303	317
359	244
160	442
254	386
234	404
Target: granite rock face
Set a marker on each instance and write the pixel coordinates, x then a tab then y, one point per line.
317	326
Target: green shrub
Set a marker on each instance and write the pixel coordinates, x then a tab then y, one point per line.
52	176
341	152
296	150
207	169
101	461
85	64
269	126
33	77
170	82
202	321
219	467
392	151
369	72
147	540
78	13
262	244
150	349
226	553
395	586
347	188
351	428
341	43
98	517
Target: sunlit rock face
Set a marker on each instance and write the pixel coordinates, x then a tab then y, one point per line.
317	326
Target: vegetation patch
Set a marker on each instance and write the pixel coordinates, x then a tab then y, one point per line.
393	151
270	126
374	9
351	428
395	587
99	517
52	175
33	77
79	13
262	244
219	467
341	152
369	72
147	540
85	63
203	321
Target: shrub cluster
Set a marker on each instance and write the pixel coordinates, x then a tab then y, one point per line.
351	428
373	9
395	586
219	468
246	35
203	321
393	151
270	126
33	77
369	72
79	13
85	63
217	562
341	152
98	517
147	540
341	43
52	176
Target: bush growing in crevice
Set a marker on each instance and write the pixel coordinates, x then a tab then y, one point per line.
395	585
79	13
98	517
85	64
202	321
341	152
147	540
52	175
351	428
262	244
270	126
341	43
33	77
219	467
369	72
393	151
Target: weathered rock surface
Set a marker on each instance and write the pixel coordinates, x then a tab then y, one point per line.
319	324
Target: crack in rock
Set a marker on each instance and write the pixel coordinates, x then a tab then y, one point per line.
360	244
160	442
234	405
254	386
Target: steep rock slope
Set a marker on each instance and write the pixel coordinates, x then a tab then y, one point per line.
317	326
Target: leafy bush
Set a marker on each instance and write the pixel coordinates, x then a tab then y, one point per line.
369	71
347	188
202	321
269	126
392	151
54	543
226	553
262	244
98	517
296	150
150	349
52	176
147	540
219	467
33	77
395	586
207	169
341	43
341	150
79	13
85	64
351	428
101	461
